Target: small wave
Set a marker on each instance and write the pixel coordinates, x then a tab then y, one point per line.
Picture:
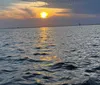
38	47
20	50
21	59
73	50
47	77
95	45
29	83
51	45
40	54
32	60
5	45
64	84
94	69
28	59
64	78
95	56
31	76
89	70
7	83
2	59
90	81
9	56
46	70
6	70
64	65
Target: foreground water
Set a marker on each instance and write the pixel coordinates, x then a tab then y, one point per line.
50	56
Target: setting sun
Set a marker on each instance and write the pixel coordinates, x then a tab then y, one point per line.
44	14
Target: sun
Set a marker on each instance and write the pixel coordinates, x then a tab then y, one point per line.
43	15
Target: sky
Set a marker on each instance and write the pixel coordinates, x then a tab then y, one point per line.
26	13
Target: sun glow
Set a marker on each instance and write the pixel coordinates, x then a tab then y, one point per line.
27	10
44	14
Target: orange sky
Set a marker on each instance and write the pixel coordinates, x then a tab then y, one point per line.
31	10
26	13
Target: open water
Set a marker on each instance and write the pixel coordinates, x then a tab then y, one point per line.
50	56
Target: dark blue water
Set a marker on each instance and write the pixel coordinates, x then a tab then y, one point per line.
50	56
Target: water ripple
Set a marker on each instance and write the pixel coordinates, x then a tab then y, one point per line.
50	56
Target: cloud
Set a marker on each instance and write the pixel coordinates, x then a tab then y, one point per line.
28	11
20	10
78	6
25	10
66	12
5	3
86	7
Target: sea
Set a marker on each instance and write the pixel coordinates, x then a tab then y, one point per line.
68	55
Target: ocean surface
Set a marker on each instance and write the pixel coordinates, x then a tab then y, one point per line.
50	56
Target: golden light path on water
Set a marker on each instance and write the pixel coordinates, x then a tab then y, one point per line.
47	46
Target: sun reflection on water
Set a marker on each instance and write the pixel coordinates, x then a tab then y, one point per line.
46	46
